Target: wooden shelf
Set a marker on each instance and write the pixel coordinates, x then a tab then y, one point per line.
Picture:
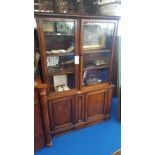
58	34
76	16
95	67
62	72
96	84
97	51
60	54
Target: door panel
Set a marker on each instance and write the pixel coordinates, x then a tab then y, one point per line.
61	112
95	102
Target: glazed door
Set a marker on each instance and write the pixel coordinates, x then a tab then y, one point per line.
59	53
97	49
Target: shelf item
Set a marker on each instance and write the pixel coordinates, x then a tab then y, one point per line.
91	80
60	83
60	71
56	51
60	54
91	51
67	62
61	51
100	62
60	88
95	67
52	62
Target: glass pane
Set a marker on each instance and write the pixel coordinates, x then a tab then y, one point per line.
97	45
59	41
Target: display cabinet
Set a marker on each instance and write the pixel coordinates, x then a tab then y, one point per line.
76	56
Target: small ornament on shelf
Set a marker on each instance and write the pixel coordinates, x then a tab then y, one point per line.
62	88
91	6
80	7
44	6
61	6
91	80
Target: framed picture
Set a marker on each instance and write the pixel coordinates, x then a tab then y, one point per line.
65	27
94	37
48	26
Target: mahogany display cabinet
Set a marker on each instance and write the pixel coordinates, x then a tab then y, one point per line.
76	58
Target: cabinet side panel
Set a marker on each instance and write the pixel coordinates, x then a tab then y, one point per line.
109	100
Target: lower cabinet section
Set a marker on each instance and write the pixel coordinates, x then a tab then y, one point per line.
73	112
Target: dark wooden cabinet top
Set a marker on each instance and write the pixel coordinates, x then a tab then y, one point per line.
60	15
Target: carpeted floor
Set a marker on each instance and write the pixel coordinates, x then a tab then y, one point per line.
100	139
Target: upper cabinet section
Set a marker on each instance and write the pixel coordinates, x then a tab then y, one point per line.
76	51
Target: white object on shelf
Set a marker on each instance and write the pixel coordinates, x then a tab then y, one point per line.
70	49
76	58
60	88
59	80
52	61
58	51
65	88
